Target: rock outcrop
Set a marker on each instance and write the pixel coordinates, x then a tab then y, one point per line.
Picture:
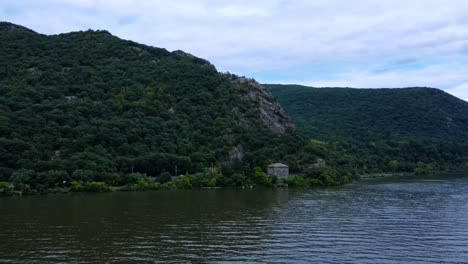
271	113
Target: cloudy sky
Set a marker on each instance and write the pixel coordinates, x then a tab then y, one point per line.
394	43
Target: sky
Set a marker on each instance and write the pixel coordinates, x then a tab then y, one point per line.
362	44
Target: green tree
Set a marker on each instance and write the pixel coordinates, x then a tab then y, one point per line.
393	165
423	169
184	182
83	175
328	177
261	178
96	187
165	177
22	176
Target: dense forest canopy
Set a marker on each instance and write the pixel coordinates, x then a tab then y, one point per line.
408	112
382	129
85	110
91	103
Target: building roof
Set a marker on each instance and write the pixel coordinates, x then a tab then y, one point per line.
277	165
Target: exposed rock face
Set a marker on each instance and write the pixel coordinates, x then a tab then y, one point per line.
271	113
237	153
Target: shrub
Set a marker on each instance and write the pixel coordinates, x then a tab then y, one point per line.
76	186
239	179
112	178
423	169
183	182
154	186
96	187
168	185
23	188
328	177
261	178
5	189
165	177
22	176
314	182
52	178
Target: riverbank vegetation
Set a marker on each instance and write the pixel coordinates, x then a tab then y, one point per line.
28	182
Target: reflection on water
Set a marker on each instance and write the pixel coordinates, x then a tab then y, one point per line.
379	221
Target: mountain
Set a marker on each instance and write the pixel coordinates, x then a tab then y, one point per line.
409	125
90	108
408	112
89	103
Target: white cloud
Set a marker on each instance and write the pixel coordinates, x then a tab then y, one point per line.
450	77
267	37
241	11
460	91
436	76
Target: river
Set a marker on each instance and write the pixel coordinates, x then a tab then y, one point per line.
395	220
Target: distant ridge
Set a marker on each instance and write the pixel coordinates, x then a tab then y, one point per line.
10	27
346	112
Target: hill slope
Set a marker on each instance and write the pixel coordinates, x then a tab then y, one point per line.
89	101
378	126
408	112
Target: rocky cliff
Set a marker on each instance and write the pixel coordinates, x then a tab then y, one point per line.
270	112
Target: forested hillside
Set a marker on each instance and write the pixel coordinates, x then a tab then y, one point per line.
88	105
87	110
382	129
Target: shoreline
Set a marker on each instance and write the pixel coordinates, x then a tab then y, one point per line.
108	189
386	175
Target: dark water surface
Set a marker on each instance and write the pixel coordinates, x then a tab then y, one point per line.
378	221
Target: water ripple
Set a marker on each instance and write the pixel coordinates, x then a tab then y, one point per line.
368	222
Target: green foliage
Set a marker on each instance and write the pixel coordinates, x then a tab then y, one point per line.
83	175
325	113
378	130
76	186
88	106
184	182
299	181
317	148
54	178
215	178
96	187
143	184
393	165
22	176
239	180
294	181
261	178
168	185
89	187
328	177
24	188
5	189
424	169
87	110
165	177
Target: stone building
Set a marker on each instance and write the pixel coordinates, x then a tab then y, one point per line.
279	170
